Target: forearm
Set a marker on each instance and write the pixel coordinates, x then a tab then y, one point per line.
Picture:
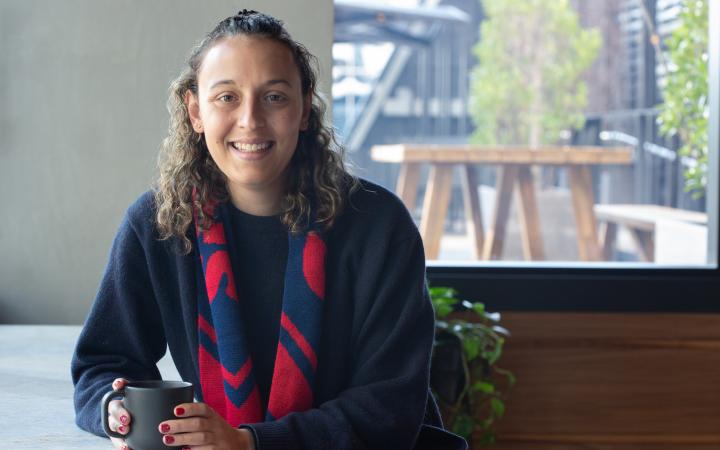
123	334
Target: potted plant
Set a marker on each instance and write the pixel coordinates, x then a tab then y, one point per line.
470	387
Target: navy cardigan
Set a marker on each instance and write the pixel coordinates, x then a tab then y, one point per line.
378	327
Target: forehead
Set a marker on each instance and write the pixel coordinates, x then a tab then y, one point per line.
248	60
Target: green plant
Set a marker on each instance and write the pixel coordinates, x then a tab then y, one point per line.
527	85
685	108
470	387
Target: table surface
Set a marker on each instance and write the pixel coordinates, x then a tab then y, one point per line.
498	154
36	411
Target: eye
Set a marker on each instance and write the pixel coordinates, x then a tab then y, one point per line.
274	98
226	98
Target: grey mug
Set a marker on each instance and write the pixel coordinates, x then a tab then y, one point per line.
149	403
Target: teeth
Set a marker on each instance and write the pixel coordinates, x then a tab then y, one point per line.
250	147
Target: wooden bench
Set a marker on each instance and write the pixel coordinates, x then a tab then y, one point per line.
641	222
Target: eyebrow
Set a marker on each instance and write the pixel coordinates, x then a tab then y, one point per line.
267	83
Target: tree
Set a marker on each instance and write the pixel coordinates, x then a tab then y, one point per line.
685	109
527	85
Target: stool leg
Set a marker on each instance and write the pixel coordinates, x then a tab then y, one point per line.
503	195
585	222
473	213
529	216
407	184
608	234
435	206
644	243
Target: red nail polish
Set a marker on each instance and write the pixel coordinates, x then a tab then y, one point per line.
169	439
121	428
179	411
124	419
164	428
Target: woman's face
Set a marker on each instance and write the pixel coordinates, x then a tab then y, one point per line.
251	109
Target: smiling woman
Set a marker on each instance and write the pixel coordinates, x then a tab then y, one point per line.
291	294
250	107
248	83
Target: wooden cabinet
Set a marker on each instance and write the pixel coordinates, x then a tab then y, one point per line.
612	381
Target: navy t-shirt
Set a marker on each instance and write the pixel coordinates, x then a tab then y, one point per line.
258	253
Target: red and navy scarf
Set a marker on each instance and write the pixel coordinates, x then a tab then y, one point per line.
226	368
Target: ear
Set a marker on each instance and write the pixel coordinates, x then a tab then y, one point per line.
307	106
193	107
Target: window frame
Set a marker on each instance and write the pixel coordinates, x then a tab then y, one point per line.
609	289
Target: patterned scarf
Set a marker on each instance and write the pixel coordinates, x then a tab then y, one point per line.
226	369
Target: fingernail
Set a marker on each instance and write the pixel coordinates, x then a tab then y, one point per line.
179	411
164	428
168	439
124	419
121	428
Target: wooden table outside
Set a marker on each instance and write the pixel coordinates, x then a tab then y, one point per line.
514	168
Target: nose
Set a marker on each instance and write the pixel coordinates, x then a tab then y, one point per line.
250	114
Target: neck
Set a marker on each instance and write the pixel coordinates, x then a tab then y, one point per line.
257	202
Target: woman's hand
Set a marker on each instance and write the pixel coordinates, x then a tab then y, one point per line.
201	428
118	417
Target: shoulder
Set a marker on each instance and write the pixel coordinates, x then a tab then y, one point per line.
140	222
370	195
139	227
374	201
373	209
141	213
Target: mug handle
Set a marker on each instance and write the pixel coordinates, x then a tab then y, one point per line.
104	412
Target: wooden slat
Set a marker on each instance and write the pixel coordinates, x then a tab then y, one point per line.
608	235
631	439
549	155
473	213
435	206
529	216
526	445
407	184
496	234
585	223
644	243
620	381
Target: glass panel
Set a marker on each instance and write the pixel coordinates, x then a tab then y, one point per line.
565	132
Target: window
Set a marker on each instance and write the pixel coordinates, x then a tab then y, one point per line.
546	150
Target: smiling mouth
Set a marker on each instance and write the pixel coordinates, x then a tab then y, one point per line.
251	148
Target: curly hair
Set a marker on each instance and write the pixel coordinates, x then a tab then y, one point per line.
188	178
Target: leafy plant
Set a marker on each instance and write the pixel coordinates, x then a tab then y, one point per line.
470	387
685	109
527	86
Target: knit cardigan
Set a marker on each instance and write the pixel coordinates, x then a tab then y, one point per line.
377	331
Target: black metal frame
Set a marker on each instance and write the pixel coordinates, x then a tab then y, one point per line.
595	288
584	289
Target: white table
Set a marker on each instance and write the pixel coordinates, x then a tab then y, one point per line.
36	407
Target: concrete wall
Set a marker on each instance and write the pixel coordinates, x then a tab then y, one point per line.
83	86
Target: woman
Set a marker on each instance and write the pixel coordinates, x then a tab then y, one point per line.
290	293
